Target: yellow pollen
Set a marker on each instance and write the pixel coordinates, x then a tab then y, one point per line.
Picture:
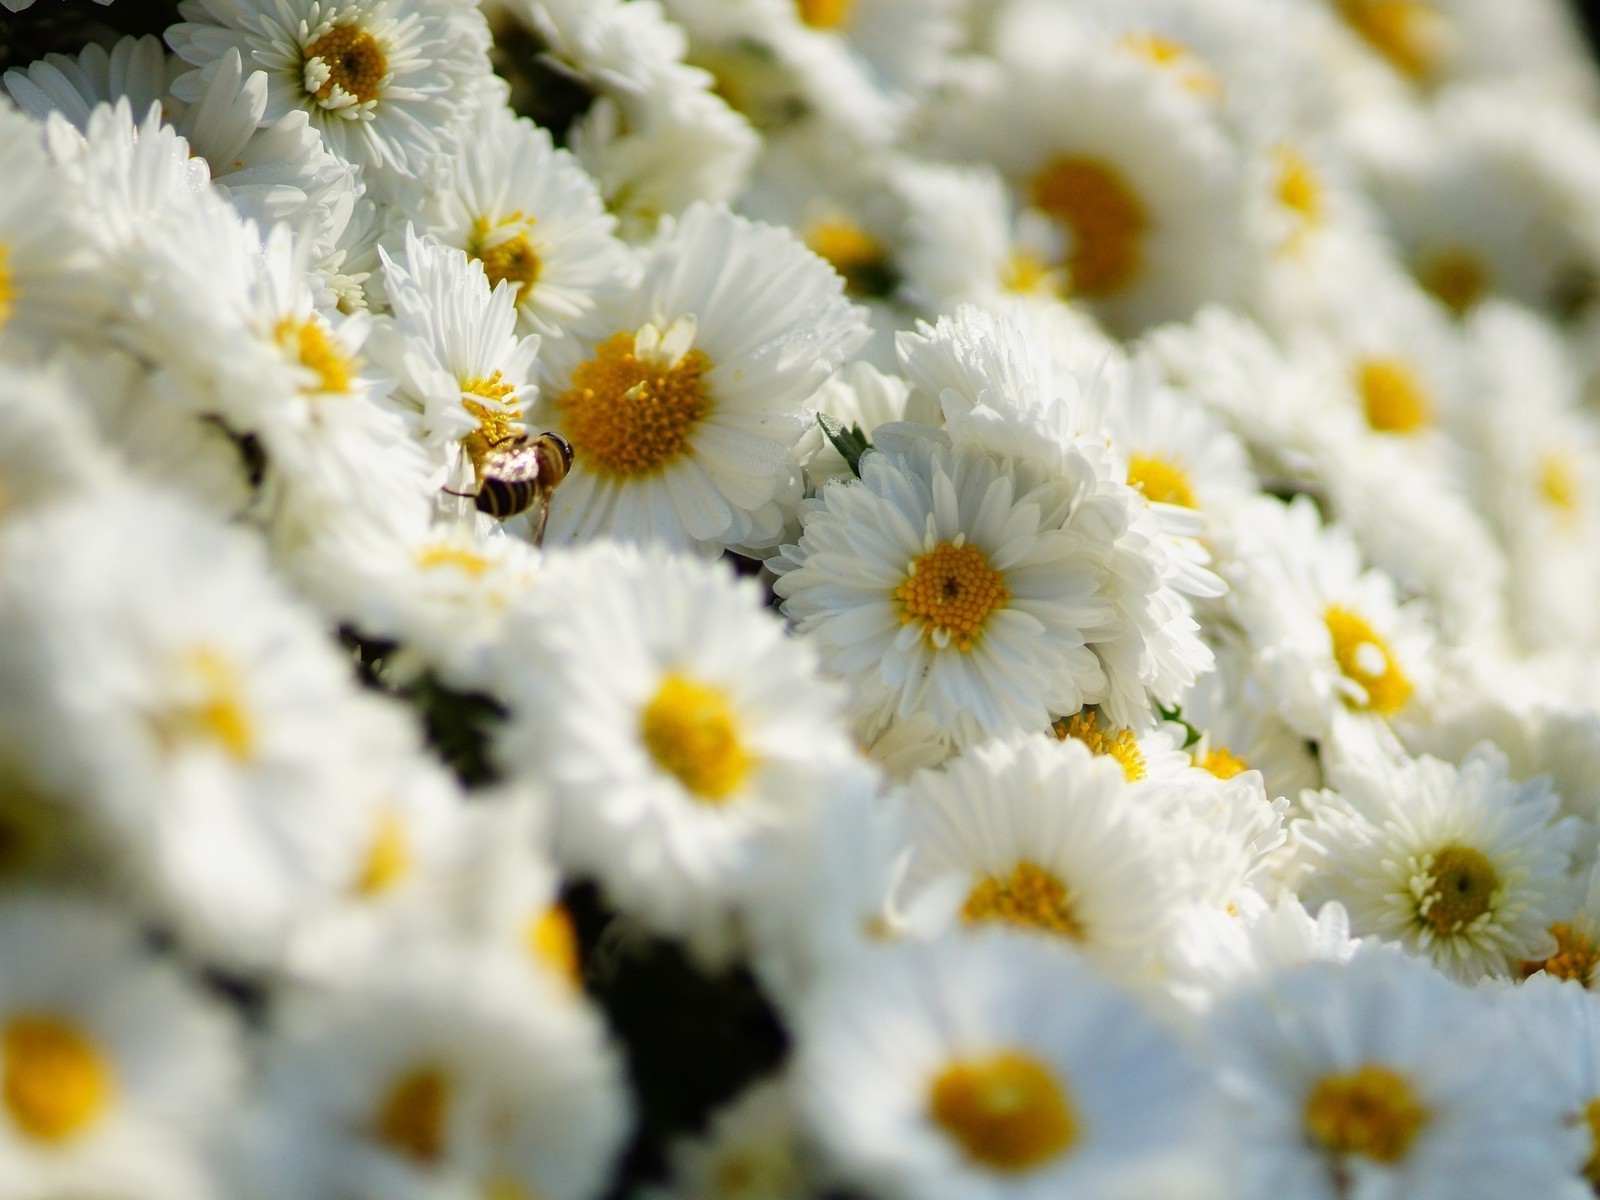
411	1121
499	420
852	251
553	940
308	343
1161	481
1300	191
388	857
1366	659
354	60
505	257
1191	71
1006	1111
1121	745
1591	1168
629	418
1464	886
1558	484
951	590
459	558
1575	956
825	14
57	1081
691	733
1030	896
1458	278
215	711
1405	32
1370	1111
1392	397
1223	763
1106	220
1027	274
8	290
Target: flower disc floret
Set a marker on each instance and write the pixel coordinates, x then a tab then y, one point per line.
344	67
1462	886
1030	896
1371	1111
412	1119
951	590
628	416
57	1081
1104	216
692	733
1007	1111
1365	658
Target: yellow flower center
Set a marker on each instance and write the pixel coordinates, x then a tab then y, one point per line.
1104	216
506	253
629	418
1575	956
951	590
1591	1167
308	343
213	711
1027	274
354	61
458	558
388	857
853	252
553	940
1392	397
1464	886
1006	1111
1366	659
1300	192
691	733
411	1119
1223	763
825	14
1457	277
1370	1111
1120	744
1161	480
1030	896
1186	66
505	1187
1558	484
8	290
1405	32
499	420
57	1081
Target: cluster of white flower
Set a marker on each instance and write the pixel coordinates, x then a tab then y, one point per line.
1037	561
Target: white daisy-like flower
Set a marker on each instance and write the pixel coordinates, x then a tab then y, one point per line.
177	697
686	742
1043	835
115	1069
1461	865
1145	187
1330	639
529	214
439	1069
73	85
1560	1021
381	80
1351	1080
943	582
1576	934
683	407
998	1065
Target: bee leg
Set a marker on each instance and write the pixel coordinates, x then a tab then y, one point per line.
537	518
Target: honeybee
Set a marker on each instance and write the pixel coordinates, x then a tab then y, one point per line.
518	474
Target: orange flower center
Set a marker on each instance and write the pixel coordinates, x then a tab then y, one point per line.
628	418
951	590
1104	216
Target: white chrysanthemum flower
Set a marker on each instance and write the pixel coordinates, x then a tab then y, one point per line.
1534	471
464	377
1576	936
682	409
73	85
687	743
997	1065
1330	639
943	582
1354	1079
383	81
1459	865
1043	835
115	1069
437	1070
1007	385
1560	1022
1145	188
529	214
185	704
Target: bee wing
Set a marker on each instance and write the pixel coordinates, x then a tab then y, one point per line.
537	516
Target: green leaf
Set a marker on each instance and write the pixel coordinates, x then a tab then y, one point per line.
1175	713
850	443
